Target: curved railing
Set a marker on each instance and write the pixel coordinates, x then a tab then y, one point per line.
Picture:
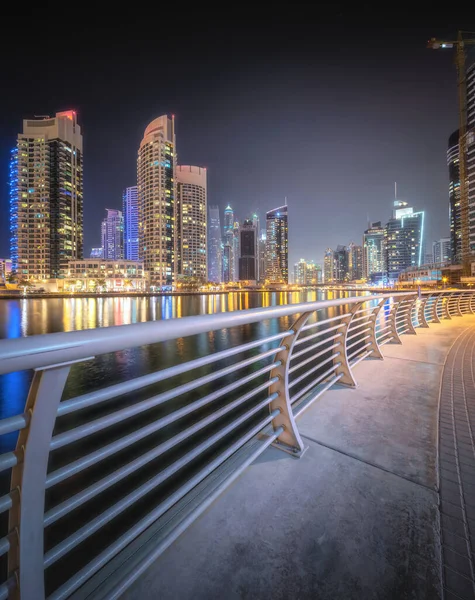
103	482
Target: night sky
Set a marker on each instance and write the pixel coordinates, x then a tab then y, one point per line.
328	115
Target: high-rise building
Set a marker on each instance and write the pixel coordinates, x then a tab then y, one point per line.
247	260
404	240
355	261
470	141
227	263
454	198
255	222
191	221
130	208
300	272
236	245
215	261
112	231
156	177
277	245
97	252
314	273
373	250
262	255
328	266
341	264
46	197
5	269
228	219
441	251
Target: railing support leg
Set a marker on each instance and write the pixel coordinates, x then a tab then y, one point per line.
459	309
374	347
434	313
289	440
395	338
446	307
29	479
342	361
421	317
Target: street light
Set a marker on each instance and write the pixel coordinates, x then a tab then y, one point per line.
444	281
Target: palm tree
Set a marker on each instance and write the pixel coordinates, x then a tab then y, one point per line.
101	283
127	283
12	277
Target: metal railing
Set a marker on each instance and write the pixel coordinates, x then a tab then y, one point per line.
101	483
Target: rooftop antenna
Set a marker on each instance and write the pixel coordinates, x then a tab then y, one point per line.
395	191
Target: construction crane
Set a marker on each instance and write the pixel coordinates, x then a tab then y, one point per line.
460	44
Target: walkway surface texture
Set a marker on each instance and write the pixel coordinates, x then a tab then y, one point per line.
381	505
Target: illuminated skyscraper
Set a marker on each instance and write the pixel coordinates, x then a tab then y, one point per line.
191	221
373	254
441	251
454	197
156	177
328	266
404	240
300	272
277	245
112	231
46	197
215	260
341	264
131	223
228	219
355	261
248	259
262	255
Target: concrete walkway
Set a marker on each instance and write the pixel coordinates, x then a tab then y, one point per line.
358	515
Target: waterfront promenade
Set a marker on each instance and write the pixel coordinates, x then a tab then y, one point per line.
381	505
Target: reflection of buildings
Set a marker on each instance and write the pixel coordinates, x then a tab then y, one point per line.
131	223
215	262
46	197
156	176
112	232
118	274
373	254
277	245
191	222
247	260
403	239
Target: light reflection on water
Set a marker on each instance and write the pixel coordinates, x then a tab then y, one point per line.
26	317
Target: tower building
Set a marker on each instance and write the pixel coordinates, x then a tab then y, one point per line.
247	260
156	178
373	250
215	259
404	240
46	197
277	245
131	223
112	233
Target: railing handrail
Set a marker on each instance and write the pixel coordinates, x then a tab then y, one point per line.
63	347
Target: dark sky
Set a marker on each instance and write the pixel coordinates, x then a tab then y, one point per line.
329	115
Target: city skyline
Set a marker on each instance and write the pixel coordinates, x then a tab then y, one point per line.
354	177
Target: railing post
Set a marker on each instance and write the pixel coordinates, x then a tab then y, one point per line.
445	305
408	326
394	335
29	477
289	440
421	317
435	304
459	310
344	368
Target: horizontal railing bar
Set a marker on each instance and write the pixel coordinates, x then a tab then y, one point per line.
125	387
4	545
106	482
386	341
14	423
38	351
116	509
362	310
364	317
324	321
357	342
317	334
7	461
82	431
313	346
321	377
303	407
362	357
7	587
6	502
126	538
367	327
313	357
313	369
356	352
380	329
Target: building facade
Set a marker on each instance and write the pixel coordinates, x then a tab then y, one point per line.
355	261
262	255
341	264
46	197
112	232
373	250
113	275
215	257
328	266
130	209
470	145
191	222
156	189
441	251
97	252
454	198
300	272
248	259
5	269
277	245
404	240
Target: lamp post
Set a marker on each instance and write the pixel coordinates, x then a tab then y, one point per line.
444	281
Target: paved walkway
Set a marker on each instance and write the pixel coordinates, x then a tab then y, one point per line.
358	515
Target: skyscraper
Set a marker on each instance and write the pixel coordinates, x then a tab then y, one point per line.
247	260
300	272
441	251
191	222
215	262
404	239
228	219
131	223
277	245
328	266
156	177
255	222
112	231
46	197
262	255
227	263
341	264
355	261
470	141
454	197
236	244
373	251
